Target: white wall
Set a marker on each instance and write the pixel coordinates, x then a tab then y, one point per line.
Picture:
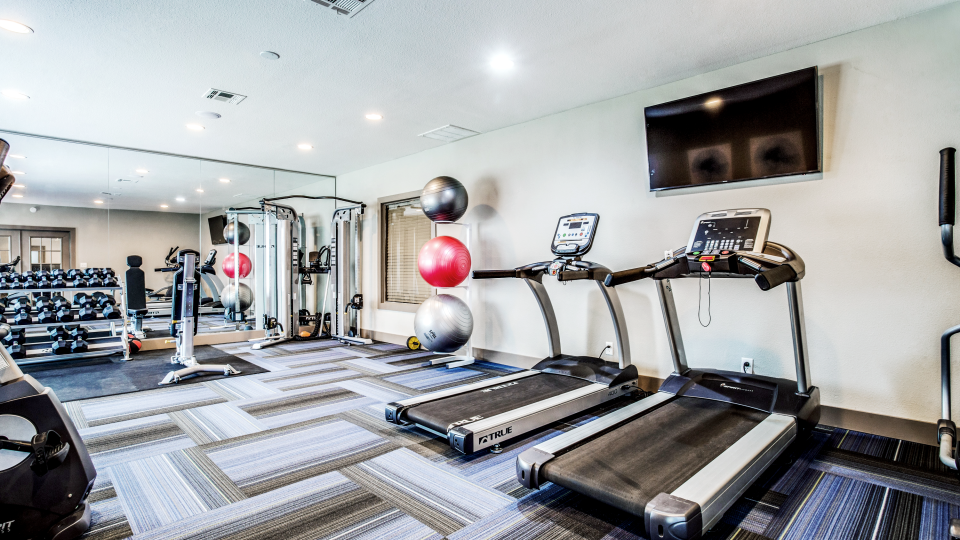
877	293
105	239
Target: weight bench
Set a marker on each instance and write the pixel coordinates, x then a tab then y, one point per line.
136	294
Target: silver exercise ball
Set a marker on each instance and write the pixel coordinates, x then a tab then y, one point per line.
228	233
230	301
443	323
444	199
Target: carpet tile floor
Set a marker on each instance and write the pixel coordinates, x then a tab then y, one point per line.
303	451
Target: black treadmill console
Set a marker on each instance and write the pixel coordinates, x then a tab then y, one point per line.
574	235
719	237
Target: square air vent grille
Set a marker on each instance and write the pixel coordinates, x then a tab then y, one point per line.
449	133
344	7
232	98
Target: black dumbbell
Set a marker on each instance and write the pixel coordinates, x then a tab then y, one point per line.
78	283
44	283
86	312
29	273
94	281
57	282
21	304
58	273
43	301
15	336
82	298
8	282
67	332
21	318
110	281
30	283
16	351
107	272
74	273
46	316
61	346
103	299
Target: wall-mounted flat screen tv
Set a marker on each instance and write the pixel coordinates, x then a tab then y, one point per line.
756	130
217	223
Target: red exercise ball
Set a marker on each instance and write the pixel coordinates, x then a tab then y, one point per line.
228	266
444	262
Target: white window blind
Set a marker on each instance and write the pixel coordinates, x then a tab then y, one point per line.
406	230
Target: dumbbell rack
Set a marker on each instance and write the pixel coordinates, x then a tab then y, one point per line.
114	341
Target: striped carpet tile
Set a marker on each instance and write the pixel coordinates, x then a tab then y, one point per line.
239	388
831	507
324	507
408	358
864	443
373	388
442	500
371	419
434	377
305	377
130	440
163	489
554	513
377	367
297	406
935	519
107	521
258	464
215	423
300	359
105	410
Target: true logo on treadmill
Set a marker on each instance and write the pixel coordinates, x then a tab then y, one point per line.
499	434
6	527
498	387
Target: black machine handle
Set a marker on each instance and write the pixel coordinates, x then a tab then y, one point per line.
167	269
948	194
773	277
494	274
626	276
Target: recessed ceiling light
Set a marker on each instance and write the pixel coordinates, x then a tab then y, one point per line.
164	206
13	94
142	171
374	116
21	173
305	146
17	196
501	62
199	190
208	114
225	180
16	156
270	55
14	26
98	201
195	127
180	199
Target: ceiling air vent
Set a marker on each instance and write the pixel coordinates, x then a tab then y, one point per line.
232	98
449	133
344	7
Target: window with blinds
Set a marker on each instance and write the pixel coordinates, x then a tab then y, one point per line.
406	230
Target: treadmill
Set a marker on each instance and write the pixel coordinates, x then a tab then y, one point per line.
681	457
487	413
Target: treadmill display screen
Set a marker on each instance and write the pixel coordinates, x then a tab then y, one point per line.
574	234
734	234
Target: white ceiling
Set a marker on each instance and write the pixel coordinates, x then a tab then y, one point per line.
132	73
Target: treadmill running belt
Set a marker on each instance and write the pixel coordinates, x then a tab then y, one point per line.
653	454
438	415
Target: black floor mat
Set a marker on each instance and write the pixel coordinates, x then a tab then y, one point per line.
98	377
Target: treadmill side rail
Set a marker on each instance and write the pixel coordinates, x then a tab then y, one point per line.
394	411
487	432
716	486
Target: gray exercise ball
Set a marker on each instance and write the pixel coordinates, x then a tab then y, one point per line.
230	300
443	323
244	233
444	199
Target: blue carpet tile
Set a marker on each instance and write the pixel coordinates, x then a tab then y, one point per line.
303	451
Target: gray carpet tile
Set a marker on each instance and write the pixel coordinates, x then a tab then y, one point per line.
270	460
215	423
439	498
108	521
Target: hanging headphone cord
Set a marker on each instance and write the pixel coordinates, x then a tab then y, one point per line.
700	301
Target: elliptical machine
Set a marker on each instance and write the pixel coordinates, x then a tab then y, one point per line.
183	318
45	471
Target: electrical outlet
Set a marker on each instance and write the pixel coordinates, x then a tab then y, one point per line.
746	365
609	349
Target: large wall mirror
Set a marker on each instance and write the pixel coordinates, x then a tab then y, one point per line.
80	205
